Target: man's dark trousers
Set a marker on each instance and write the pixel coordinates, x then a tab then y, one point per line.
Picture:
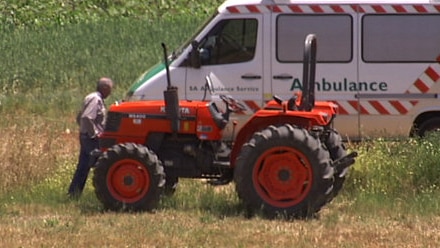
79	179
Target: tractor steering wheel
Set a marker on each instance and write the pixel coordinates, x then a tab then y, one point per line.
232	104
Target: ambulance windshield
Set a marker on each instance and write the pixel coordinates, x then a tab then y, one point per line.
179	50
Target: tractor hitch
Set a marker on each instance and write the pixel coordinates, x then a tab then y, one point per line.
343	163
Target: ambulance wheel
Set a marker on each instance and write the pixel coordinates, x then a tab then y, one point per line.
430	125
129	177
337	150
284	172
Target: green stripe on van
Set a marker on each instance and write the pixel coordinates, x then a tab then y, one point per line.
147	75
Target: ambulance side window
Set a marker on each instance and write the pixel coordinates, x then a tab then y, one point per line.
230	41
403	38
334	33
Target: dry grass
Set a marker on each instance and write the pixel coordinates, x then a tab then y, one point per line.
338	226
32	148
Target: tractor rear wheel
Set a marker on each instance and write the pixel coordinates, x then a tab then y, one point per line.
337	150
129	177
284	171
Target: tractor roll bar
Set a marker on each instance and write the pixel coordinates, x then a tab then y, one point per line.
309	70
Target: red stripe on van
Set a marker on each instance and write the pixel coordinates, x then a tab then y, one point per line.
358	107
432	74
399	9
232	9
275	9
337	8
414	103
379	107
253	9
341	110
399	107
316	8
419	84
378	8
437	7
420	8
357	8
295	8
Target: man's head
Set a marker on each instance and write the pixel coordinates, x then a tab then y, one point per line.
105	86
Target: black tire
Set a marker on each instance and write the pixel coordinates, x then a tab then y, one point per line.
337	150
430	125
274	170
129	177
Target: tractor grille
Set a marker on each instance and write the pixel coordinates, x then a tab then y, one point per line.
113	121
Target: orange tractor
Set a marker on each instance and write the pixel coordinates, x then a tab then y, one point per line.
285	161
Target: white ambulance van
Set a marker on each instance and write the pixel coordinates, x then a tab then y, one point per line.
379	60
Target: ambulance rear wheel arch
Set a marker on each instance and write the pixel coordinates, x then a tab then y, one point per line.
426	122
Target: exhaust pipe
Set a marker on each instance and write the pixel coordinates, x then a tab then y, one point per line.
171	97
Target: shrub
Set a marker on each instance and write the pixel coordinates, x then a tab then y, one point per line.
397	168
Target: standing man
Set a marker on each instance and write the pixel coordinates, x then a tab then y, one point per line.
91	122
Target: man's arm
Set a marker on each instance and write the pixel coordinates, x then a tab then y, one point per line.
88	117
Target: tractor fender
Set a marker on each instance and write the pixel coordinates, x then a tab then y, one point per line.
258	123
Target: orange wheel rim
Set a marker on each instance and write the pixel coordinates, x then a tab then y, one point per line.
128	180
282	176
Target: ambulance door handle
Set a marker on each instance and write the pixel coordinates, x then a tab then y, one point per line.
250	76
283	76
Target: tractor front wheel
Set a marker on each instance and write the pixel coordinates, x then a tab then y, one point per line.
129	177
284	171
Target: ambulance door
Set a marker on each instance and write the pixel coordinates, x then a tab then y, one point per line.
231	52
336	67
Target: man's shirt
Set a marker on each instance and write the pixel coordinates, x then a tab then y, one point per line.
92	116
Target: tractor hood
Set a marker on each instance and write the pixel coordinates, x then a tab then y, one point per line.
155	108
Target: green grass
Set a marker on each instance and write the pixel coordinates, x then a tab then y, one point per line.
396	168
47	71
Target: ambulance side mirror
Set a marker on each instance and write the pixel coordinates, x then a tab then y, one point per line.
194	55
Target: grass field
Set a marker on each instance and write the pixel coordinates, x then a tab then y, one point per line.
390	198
199	215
